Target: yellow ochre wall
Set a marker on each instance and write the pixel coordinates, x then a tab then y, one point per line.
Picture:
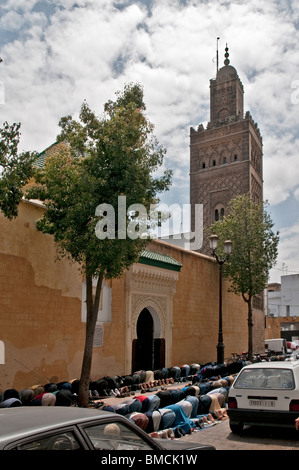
39	298
41	301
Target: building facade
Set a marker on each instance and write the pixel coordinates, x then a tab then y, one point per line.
282	320
226	157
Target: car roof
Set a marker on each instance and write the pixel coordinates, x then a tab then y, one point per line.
273	365
34	419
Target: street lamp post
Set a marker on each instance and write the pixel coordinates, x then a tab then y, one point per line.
227	250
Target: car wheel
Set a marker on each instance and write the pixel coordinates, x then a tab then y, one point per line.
236	428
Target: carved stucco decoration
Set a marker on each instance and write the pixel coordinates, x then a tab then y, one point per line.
151	279
152	288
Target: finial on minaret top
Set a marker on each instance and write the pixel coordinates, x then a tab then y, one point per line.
226	55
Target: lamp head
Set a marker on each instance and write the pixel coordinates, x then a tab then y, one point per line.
213	241
227	247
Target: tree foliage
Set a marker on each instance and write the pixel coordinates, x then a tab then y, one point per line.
97	160
254	250
15	169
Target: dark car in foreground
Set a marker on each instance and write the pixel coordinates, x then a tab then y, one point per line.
74	428
265	394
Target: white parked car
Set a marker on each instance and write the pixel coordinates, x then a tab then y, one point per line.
265	394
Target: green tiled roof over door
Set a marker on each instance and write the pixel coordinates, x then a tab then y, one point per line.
158	260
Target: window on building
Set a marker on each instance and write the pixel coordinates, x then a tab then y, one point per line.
219	213
203	165
214	162
104	313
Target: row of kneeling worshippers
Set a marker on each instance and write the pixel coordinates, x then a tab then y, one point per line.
177	411
66	393
143	380
167	413
147	380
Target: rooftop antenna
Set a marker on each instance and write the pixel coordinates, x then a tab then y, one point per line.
217	61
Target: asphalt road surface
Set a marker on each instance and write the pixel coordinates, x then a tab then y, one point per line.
252	438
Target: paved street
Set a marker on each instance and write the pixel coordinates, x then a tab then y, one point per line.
256	438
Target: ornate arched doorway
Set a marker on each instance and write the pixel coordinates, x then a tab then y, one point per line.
149	294
148	351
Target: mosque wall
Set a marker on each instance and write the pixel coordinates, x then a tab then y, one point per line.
42	309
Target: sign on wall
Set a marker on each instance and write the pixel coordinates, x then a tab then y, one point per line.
98	336
2	353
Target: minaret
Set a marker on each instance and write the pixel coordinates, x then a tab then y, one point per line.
226	156
226	93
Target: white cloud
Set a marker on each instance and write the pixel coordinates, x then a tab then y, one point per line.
288	259
280	167
24	5
11	21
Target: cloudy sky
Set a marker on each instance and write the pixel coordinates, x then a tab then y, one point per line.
58	53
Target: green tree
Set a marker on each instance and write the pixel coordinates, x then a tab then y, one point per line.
254	251
15	169
97	161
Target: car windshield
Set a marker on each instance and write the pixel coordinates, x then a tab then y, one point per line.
114	436
265	379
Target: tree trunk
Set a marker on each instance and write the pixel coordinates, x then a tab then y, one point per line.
250	328
92	305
